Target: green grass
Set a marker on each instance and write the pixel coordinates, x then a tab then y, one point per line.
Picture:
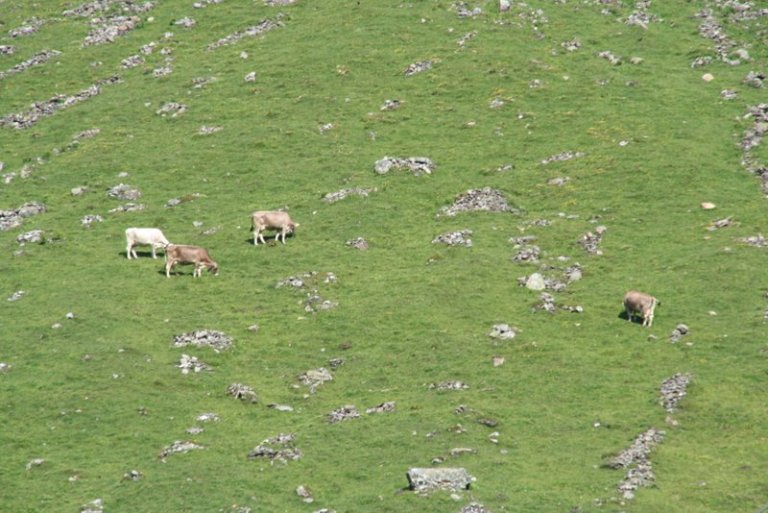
100	395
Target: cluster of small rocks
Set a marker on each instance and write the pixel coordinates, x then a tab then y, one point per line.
538	282
448	385
390	104
189	364
358	243
16	295
457	238
385	407
217	340
277	3
314	378
107	29
590	241
7	49
280	448
10	219
636	458
485	199
431	479
184	199
342	413
673	390
720	223
503	332
242	392
179	447
615	60
679	332
205	3
418	67
710	28
36	60
94	506
172	109
571	45
755	79
92	7
255	30
546	303
27	28
124	192
527	253
416	165
31	237
565	155
333	197
755	240
466	38
640	16
40	110
463	10
88	220
474	507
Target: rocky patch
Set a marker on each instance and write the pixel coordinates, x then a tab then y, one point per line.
418	67
503	332
474	200
253	31
673	390
459	238
314	378
679	332
636	458
189	364
10	219
343	413
333	197
280	448
590	241
179	447
216	340
358	243
416	165
242	392
36	60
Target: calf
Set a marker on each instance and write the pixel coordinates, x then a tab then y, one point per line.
180	254
271	219
640	303
145	236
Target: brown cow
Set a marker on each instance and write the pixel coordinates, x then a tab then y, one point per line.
640	303
180	254
274	220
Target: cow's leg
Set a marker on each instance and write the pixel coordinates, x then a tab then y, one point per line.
128	250
154	250
261	237
255	237
168	265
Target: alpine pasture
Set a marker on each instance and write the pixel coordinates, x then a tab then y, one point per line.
476	184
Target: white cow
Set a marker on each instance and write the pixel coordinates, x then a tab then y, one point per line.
274	220
642	304
145	236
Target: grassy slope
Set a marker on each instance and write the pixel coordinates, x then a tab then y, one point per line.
402	323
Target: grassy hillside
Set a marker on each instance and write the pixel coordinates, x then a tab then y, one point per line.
580	114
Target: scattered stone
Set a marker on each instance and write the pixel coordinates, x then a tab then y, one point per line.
528	254
95	506
503	332
498	361
7	49
32	237
280	407
386	407
755	79
124	192
36	462
88	220
474	507
36	60
591	241
573	272
707	205
242	392
217	340
418	67
678	333
172	109
250	77
343	413
546	303
173	202
128	207
485	199
639	450
28	28
185	22
132	61
333	197
4	367
755	240
572	45
560	157
417	165
273	3
179	447
16	295
573	309
673	390
458	238
305	495
107	29
535	282
315	303
432	479
707	77
558	181
14	218
132	475
358	243
390	104
315	377
720	223
189	364
255	30
728	94
448	385
205	3
615	60
279	448
207	417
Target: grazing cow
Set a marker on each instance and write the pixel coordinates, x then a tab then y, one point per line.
642	304
180	254
274	220
145	236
